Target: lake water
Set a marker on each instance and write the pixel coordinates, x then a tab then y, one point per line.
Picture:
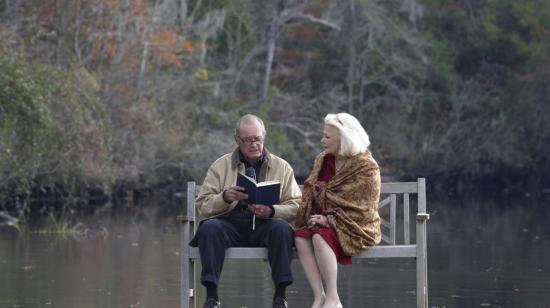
480	254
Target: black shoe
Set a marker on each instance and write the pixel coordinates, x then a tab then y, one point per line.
279	302
212	303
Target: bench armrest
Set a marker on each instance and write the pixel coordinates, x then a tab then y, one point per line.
422	217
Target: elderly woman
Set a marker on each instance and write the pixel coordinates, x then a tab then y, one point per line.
338	216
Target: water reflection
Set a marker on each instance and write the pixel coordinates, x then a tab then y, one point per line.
490	254
135	266
480	255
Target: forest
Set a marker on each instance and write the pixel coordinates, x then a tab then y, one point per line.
113	101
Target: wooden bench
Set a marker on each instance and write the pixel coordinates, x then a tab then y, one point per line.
390	247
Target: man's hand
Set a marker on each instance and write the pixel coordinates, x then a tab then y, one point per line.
260	210
234	193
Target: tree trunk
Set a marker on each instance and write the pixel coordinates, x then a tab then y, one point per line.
352	58
270	53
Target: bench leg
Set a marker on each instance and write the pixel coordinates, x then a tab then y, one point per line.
188	298
421	264
193	281
184	266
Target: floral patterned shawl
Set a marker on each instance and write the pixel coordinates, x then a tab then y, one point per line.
349	200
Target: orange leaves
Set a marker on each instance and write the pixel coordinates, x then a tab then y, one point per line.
138	9
110	46
167	37
129	34
188	46
164	45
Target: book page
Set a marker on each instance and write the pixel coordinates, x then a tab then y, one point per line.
247	177
265	183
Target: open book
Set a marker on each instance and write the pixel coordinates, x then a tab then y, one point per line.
266	193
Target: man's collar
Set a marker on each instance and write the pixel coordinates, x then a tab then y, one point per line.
237	158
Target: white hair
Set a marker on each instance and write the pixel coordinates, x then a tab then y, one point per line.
249	118
353	137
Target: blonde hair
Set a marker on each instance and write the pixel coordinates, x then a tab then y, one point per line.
353	137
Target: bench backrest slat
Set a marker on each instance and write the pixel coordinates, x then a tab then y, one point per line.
406	220
392	218
421	190
399	188
384	202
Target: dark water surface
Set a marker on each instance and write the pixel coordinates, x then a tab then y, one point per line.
480	254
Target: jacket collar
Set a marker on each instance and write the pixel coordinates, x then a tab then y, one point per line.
237	155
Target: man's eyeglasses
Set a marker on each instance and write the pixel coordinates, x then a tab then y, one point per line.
251	140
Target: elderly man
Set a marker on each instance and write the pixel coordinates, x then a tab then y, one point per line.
231	222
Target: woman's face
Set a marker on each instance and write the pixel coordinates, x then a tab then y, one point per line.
331	140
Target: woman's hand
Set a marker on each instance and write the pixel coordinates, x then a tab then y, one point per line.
317	221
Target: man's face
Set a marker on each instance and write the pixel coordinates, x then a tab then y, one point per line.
250	140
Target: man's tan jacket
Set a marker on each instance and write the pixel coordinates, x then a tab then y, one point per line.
223	173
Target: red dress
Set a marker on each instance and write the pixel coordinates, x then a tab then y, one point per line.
327	233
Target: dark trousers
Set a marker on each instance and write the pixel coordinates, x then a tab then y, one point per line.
215	235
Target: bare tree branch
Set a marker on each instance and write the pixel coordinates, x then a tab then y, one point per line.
289	16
